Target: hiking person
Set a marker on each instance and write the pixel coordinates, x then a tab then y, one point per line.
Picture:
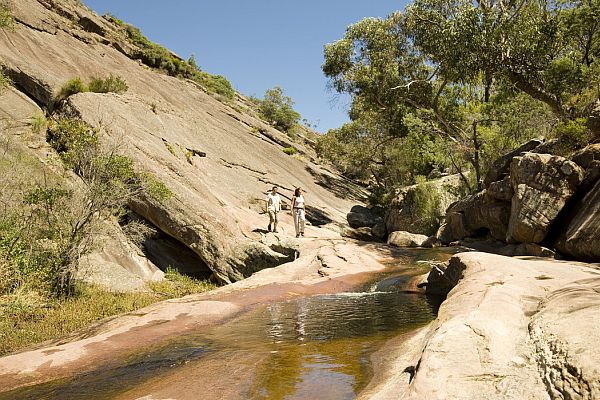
298	212
273	208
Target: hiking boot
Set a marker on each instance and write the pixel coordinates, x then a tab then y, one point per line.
297	235
275	231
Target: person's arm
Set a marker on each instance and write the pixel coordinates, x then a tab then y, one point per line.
293	202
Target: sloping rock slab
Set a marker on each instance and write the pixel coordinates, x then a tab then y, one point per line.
510	329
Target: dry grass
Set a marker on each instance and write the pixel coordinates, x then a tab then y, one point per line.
28	318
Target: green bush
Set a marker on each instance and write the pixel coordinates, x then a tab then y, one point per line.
277	109
73	139
426	209
573	132
114	84
39	123
113	19
73	86
5	81
289	150
7	19
216	84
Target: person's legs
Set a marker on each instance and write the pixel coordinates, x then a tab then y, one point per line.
275	220
271	219
296	214
301	219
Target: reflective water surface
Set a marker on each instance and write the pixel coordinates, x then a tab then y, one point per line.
308	348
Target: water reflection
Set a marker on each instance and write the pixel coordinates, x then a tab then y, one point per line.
309	348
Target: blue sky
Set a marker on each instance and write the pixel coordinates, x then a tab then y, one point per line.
256	44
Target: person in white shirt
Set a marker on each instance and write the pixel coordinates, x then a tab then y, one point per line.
273	208
298	212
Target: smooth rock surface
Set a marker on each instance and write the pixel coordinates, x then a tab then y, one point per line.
406	239
509	329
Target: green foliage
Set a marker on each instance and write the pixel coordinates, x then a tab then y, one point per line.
5	81
155	188
113	19
278	109
453	85
39	123
7	19
426	205
289	150
114	84
216	84
73	86
74	141
573	133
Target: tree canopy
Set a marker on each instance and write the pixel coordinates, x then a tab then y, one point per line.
451	84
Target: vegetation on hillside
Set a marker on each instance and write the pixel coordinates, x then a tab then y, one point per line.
7	19
452	85
277	109
159	57
114	84
48	222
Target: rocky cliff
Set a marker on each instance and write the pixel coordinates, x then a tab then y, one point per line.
217	157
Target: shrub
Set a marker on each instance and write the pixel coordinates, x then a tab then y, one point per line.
73	86
7	19
216	84
573	132
114	84
113	19
39	123
426	202
277	109
5	81
289	150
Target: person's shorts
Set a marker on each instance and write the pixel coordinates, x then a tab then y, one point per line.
273	216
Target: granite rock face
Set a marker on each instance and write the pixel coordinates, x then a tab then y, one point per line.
581	238
542	185
360	216
500	168
469	216
217	157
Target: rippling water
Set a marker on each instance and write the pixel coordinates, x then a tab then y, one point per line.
309	348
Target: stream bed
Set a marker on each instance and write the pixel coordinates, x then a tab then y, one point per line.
316	347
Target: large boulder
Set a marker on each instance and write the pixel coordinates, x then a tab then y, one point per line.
581	238
501	166
405	213
360	216
587	155
406	239
476	215
542	184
